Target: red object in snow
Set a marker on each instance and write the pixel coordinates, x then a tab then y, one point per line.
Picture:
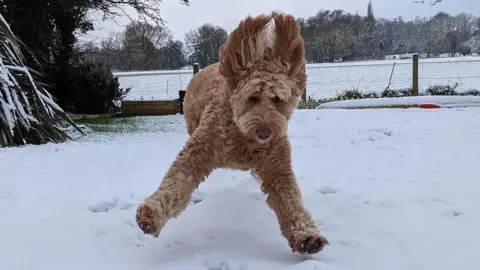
428	106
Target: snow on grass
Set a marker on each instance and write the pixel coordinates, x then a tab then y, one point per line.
390	189
327	80
442	101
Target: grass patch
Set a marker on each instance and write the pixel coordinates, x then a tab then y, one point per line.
110	124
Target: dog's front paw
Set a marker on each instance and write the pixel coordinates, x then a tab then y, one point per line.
149	219
308	242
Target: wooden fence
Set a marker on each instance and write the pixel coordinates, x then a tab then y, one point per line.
149	107
155	107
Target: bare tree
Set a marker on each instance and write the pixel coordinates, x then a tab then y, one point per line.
430	2
147	9
173	54
204	43
142	43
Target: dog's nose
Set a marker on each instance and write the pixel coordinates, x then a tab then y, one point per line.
263	132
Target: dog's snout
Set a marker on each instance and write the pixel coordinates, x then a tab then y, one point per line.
263	132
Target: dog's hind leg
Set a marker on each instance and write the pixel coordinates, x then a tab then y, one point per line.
284	197
192	165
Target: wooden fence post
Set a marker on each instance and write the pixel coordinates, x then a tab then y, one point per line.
181	97
195	68
415	75
181	93
303	100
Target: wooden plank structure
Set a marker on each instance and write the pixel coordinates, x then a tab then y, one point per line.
150	107
155	107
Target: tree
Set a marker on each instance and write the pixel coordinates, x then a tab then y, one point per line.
204	43
28	115
141	46
334	34
428	38
111	48
142	43
173	54
474	44
49	27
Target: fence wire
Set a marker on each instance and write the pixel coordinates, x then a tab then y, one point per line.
328	80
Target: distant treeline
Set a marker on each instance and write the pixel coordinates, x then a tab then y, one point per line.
330	35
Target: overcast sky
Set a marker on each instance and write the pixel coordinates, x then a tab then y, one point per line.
227	13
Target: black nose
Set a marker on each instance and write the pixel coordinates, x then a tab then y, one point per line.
263	136
263	132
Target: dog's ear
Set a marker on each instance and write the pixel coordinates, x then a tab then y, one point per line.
269	37
245	45
289	46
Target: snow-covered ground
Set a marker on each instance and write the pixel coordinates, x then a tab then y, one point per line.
391	189
328	80
441	101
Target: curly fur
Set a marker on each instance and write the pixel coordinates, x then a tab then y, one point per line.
237	112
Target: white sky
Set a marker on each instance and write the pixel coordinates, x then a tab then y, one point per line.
227	13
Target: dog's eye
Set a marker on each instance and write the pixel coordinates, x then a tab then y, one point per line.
254	99
276	99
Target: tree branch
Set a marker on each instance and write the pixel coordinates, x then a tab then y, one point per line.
146	9
431	3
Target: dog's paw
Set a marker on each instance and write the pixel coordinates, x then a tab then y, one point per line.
149	220
308	242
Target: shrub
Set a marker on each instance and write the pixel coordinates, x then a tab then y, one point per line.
351	94
471	92
397	92
370	95
94	89
442	90
310	104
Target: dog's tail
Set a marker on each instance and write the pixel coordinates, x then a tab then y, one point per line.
275	36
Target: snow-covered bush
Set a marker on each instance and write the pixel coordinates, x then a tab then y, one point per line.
442	90
28	114
471	92
397	92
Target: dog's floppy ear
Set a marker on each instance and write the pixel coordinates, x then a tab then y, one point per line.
273	37
245	45
289	45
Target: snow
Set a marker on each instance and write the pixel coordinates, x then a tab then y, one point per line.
390	189
442	101
328	79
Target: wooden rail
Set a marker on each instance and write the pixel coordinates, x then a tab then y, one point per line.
150	107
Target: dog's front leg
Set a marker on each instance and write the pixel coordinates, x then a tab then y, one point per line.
284	197
192	165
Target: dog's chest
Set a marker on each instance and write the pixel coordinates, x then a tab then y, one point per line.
236	152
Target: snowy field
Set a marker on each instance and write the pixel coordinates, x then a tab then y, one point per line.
328	80
441	101
390	189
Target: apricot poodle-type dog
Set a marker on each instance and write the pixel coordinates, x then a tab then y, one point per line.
237	111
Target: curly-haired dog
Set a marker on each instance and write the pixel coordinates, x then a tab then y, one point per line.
237	112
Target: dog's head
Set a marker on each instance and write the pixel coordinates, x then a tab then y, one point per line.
263	60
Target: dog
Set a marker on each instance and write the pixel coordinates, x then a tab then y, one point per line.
237	111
